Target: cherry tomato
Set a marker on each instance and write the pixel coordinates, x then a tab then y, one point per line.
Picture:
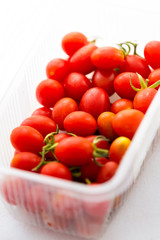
75	85
25	161
118	148
126	122
60	136
136	64
80	123
143	99
152	54
65	206
48	92
80	61
153	77
107	172
90	170
121	104
104	123
95	101
57	69
44	125
61	109
101	144
36	199
74	151
44	111
26	139
73	41
104	79
123	87
107	57
13	190
56	169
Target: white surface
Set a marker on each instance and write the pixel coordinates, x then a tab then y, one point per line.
21	24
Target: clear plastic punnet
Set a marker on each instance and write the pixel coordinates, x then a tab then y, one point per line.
62	206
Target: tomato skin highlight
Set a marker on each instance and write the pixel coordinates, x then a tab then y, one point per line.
57	69
26	139
25	161
80	61
107	172
152	54
143	99
123	87
61	109
48	92
126	122
107	57
42	124
118	148
73	41
136	64
80	123
95	101
104	79
75	85
74	151
56	169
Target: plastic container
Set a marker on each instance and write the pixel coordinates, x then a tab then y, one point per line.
55	204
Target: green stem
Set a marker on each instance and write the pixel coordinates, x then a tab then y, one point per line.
99	152
154	85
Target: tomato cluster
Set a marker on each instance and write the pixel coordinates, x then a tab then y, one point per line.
78	134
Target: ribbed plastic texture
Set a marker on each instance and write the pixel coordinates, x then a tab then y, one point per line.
55	204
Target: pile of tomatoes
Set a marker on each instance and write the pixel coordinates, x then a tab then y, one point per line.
78	133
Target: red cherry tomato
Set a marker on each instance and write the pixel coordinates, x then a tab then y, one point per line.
90	170
75	85
101	144
26	139
36	199
126	122
152	54
13	190
121	104
104	79
80	61
136	64
153	77
56	169
48	92
44	111
61	109
73	41
118	148
104	123
74	151
107	172
57	69
44	125
80	123
107	57
143	99
95	101
25	161
123	87
60	136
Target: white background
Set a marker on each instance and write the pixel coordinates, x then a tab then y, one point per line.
23	24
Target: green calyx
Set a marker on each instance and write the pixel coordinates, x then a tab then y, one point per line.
143	83
99	152
125	47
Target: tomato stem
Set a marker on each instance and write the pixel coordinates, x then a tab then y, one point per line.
75	171
87	181
99	152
